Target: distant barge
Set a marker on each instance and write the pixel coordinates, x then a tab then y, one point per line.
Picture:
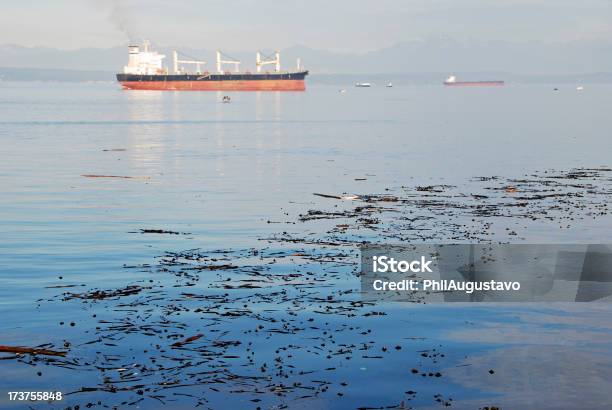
146	72
452	81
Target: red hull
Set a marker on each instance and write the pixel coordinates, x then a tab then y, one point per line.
229	85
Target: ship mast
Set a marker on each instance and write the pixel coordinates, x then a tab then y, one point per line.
268	60
228	60
176	61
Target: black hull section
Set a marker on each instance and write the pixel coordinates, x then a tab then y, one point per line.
213	77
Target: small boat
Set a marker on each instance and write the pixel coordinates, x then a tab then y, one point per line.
363	85
389	84
226	99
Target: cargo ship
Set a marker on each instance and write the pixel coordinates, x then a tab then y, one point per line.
452	81
145	71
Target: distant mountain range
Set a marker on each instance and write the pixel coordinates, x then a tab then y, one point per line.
588	59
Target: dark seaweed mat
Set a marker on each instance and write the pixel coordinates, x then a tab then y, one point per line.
268	327
445	213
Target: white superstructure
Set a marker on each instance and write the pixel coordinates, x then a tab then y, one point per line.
144	62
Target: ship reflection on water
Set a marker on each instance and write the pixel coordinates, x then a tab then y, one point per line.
156	122
146	140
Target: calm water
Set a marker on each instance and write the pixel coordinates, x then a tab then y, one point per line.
221	172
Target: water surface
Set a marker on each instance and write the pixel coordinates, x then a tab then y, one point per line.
225	174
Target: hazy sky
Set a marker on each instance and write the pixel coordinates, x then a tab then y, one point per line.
349	25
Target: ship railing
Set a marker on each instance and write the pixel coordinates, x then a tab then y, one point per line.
207	73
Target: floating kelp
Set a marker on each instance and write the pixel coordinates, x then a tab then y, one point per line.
31	350
277	325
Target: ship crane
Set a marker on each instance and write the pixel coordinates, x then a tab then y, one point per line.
177	61
228	60
268	60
